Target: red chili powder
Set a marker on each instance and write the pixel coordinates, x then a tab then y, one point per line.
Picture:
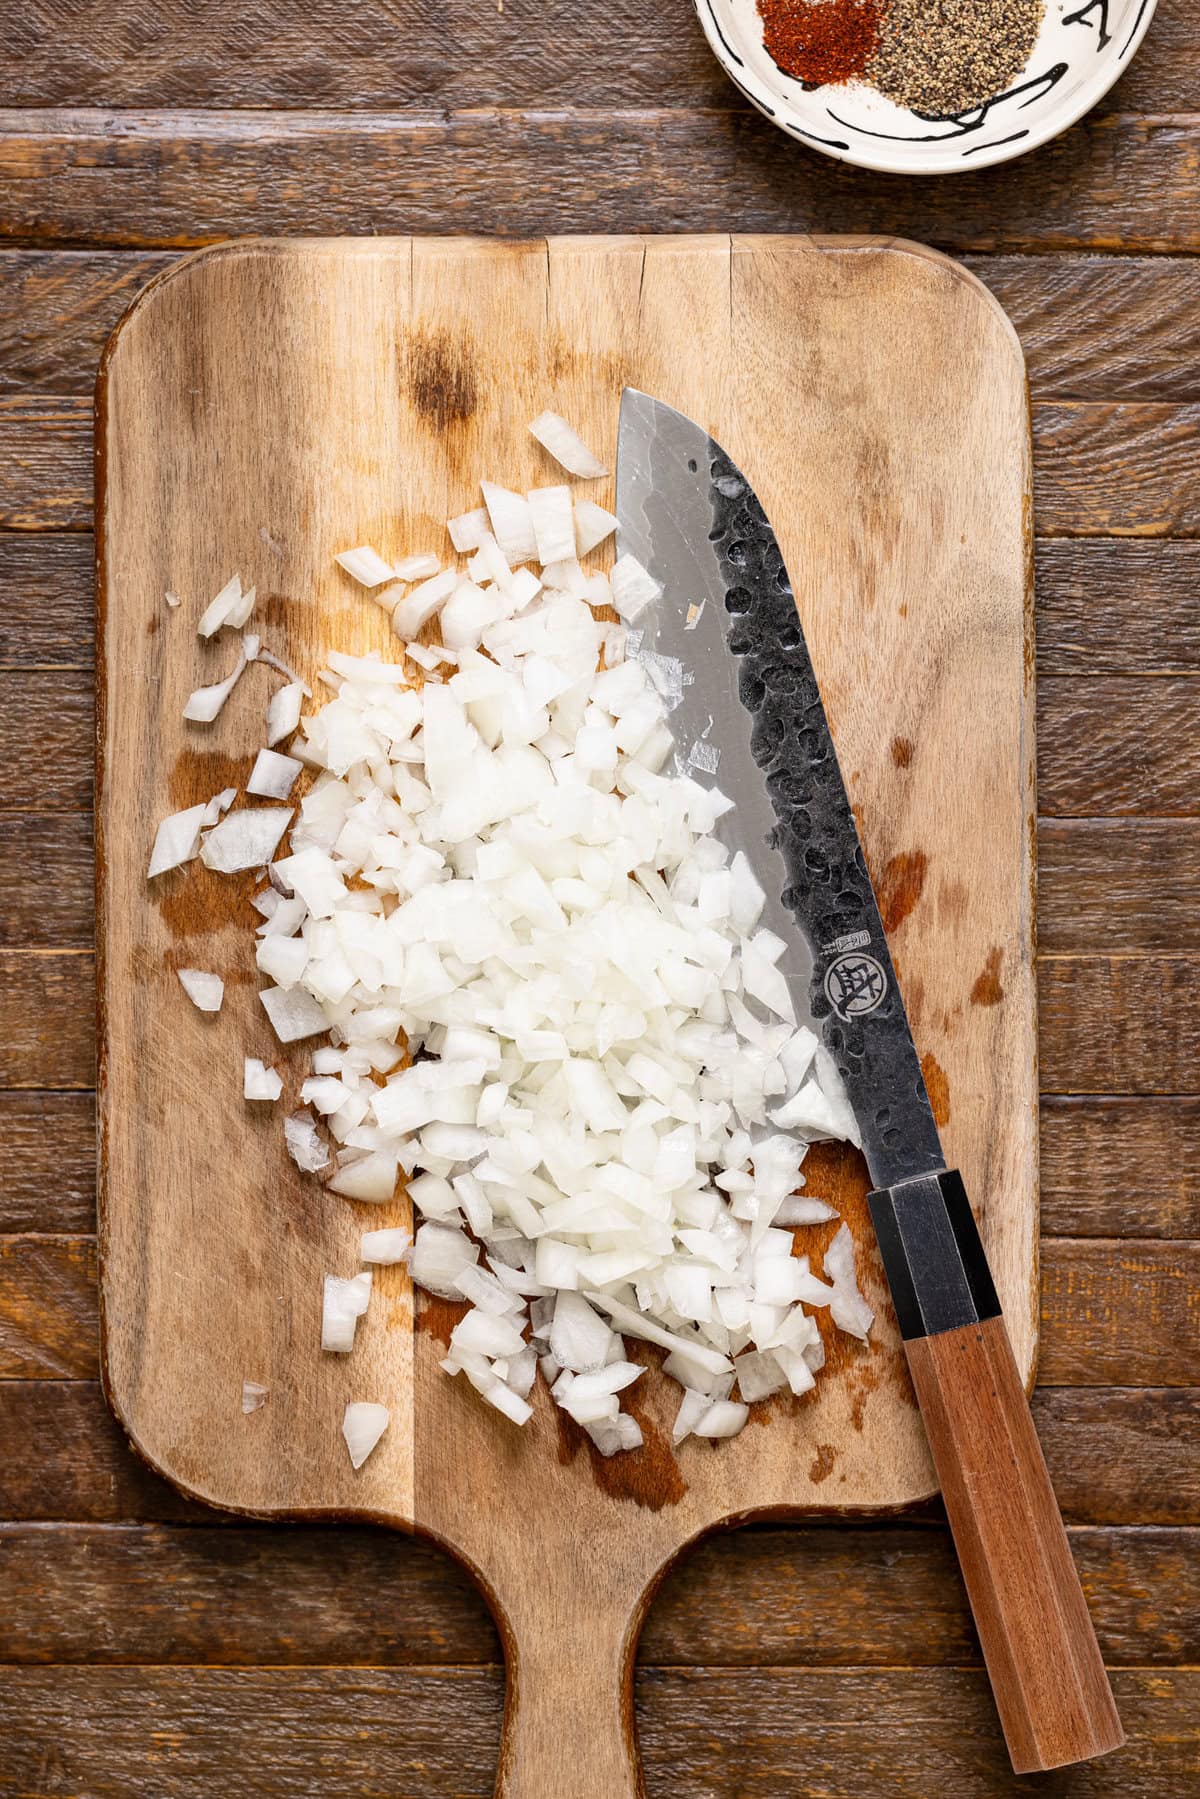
821	42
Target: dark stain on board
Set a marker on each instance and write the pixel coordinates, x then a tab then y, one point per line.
937	1087
902	751
438	1317
822	1464
648	1476
901	886
953	899
987	990
441	381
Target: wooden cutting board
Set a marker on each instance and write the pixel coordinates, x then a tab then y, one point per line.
265	405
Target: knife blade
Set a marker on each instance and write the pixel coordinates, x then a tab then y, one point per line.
725	647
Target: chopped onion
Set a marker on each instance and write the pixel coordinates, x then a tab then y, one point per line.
259	1081
204	704
206	991
219	803
231	607
366	566
592	525
245	839
273	775
512	522
566	446
304	1143
633	588
293	1014
416	568
343	1304
254	1396
363	1425
553	523
177	840
173	600
468	530
384	1247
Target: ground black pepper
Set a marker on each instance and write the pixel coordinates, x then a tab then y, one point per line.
949	56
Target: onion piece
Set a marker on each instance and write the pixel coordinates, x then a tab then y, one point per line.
566	446
416	568
592	525
362	1426
176	840
366	566
305	1144
231	607
206	991
206	702
273	775
245	839
259	1081
293	1014
553	524
254	1396
384	1248
173	600
218	804
467	531
724	1418
512	522
633	588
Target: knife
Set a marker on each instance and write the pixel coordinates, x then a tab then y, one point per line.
725	647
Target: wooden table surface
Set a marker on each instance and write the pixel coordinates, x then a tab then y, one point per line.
157	1651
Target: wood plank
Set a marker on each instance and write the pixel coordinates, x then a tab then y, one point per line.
186	1733
758	1734
46	584
45	462
634	53
47	740
1092	327
48	1153
1118	1024
1117	1455
57	310
1123	468
1112	606
166	179
1114	1312
1118	744
1126	469
1120	1313
1110	1167
46	879
236	1595
1102	327
1130	884
1120	1167
1115	745
1126	884
47	1307
47	1019
1104	605
1108	1024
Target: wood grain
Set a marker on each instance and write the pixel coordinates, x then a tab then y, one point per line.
151	180
47	1307
237	1596
1120	1312
504	327
1104	605
1119	1456
1047	1674
1120	1167
185	1733
1132	884
1107	1024
1092	327
633	54
1110	1167
48	1153
1118	1024
1125	469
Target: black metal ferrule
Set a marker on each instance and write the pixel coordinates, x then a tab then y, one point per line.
932	1255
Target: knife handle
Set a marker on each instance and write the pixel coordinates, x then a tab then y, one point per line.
1045	1667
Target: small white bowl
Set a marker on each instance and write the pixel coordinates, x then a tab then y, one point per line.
1080	51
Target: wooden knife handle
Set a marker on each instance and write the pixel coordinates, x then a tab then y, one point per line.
1047	1674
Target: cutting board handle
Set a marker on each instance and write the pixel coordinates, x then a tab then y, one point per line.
568	1713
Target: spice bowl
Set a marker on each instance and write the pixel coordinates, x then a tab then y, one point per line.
1079	50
